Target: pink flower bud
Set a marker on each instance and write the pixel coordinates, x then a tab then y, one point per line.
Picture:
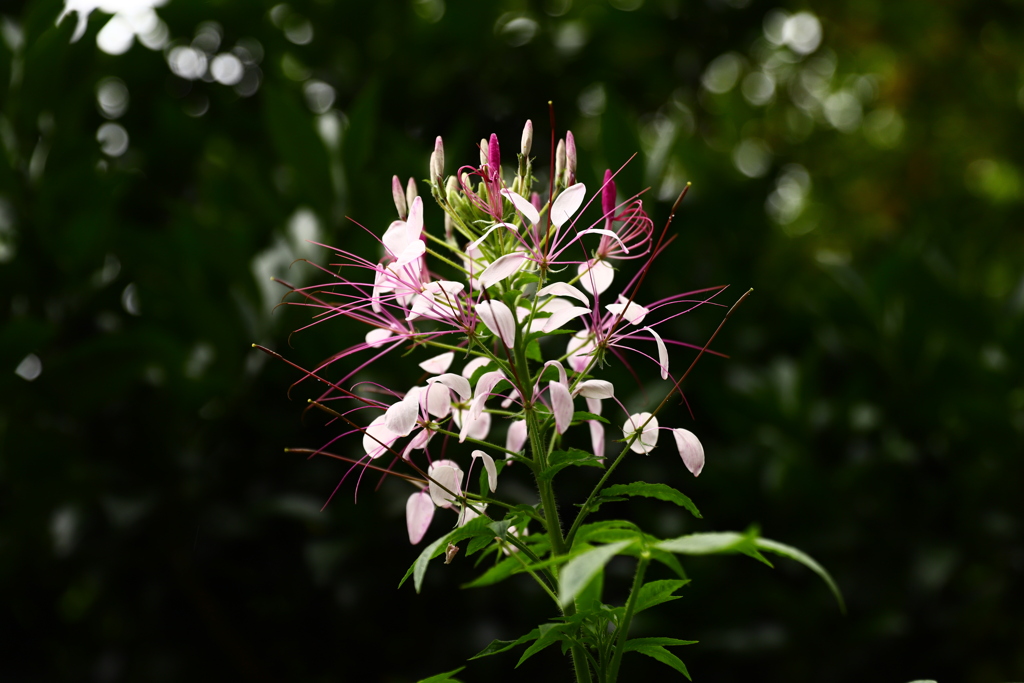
608	196
437	161
570	158
527	143
493	154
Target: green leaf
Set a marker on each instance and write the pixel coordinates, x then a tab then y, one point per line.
559	460
578	572
663	656
636	643
443	678
706	543
804	559
498	572
670	561
472	528
583	416
659	491
497	646
533	352
549	635
657	592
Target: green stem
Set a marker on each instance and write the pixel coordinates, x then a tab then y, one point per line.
627	618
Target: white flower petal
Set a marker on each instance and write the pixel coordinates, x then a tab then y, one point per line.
499	320
439	363
437	399
376	337
503	267
561	405
567	203
648	437
516	437
419	510
560	318
523	206
457	383
662	352
579	350
690	449
595	388
492	471
631	312
444	474
377	438
564	289
597	437
400	418
412	251
480	240
596	276
473	365
609	233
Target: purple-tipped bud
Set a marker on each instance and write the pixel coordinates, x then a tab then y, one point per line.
560	159
570	154
535	200
527	144
399	196
437	161
410	191
493	154
608	195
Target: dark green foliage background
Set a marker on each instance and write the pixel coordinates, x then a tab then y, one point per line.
871	413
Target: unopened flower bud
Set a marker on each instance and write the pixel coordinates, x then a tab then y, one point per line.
410	191
527	142
437	161
483	151
608	195
559	160
493	154
451	189
570	156
399	196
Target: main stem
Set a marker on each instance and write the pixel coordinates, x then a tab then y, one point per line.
627	618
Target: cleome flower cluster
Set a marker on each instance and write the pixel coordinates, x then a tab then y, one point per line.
517	304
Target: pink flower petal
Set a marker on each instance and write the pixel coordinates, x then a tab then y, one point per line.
400	418
596	276
474	427
484	386
561	405
579	350
567	203
596	437
499	320
492	471
473	365
501	268
690	449
437	399
376	337
419	510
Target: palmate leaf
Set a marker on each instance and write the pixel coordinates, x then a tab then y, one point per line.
657	592
660	653
659	491
443	678
549	635
497	646
748	544
578	572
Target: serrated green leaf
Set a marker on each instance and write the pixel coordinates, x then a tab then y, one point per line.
533	351
706	543
498	572
635	643
472	528
659	491
497	646
443	678
478	543
559	460
583	416
500	528
663	656
657	592
549	635
578	572
804	559
670	561
594	530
